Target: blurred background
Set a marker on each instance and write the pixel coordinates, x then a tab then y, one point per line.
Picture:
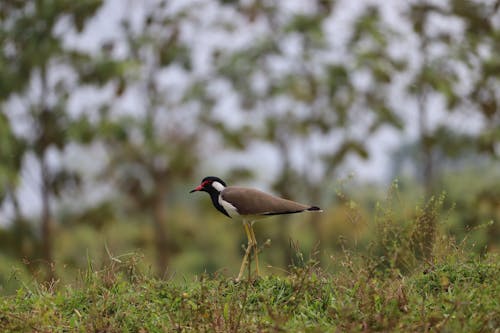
111	111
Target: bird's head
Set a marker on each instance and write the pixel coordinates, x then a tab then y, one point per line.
210	184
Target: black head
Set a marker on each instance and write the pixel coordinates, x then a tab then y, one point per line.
210	184
213	186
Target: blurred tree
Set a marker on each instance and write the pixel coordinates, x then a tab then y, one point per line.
456	74
302	95
461	68
19	240
36	81
160	142
479	52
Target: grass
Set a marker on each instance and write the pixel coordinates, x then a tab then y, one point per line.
411	278
453	295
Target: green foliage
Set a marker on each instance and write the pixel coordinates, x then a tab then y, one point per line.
100	70
27	29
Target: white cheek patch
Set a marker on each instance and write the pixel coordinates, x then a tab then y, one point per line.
218	186
230	209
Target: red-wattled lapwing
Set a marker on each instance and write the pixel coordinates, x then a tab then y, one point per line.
248	205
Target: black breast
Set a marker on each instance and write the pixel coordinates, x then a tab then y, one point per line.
214	195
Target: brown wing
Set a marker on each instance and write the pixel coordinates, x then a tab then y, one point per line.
249	201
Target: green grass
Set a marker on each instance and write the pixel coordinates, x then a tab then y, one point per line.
411	277
453	294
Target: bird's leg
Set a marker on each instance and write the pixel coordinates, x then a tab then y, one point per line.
247	251
255	248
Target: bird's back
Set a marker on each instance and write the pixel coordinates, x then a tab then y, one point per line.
249	201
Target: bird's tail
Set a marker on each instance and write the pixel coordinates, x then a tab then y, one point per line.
315	209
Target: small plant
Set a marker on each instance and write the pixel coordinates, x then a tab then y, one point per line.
423	235
406	240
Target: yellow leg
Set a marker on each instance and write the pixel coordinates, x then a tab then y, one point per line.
256	250
244	263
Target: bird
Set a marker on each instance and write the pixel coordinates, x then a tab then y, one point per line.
248	205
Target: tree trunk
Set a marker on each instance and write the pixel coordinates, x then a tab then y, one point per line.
20	225
426	148
426	140
47	223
